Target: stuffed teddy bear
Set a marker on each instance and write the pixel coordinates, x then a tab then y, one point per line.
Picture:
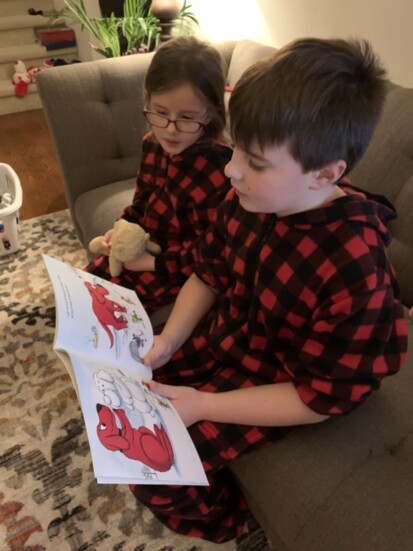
129	242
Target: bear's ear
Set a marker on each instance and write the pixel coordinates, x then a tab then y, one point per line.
96	245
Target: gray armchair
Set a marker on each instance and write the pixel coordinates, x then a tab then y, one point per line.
346	484
94	111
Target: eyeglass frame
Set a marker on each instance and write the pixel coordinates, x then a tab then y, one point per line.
146	112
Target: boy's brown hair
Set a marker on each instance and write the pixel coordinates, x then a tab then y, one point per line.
186	59
321	98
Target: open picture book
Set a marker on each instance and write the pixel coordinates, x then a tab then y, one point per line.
102	334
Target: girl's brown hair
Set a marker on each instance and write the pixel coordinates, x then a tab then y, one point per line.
186	59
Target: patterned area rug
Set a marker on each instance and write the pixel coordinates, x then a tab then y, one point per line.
49	499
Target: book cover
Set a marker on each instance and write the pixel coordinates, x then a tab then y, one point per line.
60	45
102	333
51	35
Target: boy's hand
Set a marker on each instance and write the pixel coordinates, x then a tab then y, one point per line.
187	401
160	353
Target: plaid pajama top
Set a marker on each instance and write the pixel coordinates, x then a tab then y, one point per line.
309	298
176	198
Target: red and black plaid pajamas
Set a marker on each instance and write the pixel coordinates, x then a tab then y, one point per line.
310	298
175	200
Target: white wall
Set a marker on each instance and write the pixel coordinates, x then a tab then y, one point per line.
386	24
83	38
231	20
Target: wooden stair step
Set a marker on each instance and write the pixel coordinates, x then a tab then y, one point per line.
18	41
13	104
21	7
7	89
31	51
10	22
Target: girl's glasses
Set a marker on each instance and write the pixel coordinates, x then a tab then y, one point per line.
182	125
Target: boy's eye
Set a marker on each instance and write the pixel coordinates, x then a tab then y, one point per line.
257	168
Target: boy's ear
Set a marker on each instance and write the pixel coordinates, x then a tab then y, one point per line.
329	174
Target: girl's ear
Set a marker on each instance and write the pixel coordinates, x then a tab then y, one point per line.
329	174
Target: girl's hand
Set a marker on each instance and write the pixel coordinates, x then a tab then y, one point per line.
160	353
107	241
145	263
187	401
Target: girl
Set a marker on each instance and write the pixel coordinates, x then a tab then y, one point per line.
181	178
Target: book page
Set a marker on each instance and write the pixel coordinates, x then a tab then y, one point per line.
98	319
135	436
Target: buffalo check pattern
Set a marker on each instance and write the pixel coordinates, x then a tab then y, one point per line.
310	298
176	198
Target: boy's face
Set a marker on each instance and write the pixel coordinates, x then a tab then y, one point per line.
270	181
179	103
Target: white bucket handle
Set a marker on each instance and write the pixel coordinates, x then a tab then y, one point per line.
18	194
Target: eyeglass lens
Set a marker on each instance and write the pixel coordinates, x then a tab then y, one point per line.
182	125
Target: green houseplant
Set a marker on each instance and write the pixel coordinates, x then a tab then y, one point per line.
137	29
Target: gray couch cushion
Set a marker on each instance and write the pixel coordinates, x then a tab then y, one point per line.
98	209
246	53
387	168
342	484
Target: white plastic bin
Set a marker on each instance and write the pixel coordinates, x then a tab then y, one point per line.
9	215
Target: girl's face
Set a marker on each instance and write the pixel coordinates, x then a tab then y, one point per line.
181	102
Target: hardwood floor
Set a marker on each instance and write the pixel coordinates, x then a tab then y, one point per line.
26	145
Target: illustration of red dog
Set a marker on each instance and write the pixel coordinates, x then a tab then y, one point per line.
154	449
104	309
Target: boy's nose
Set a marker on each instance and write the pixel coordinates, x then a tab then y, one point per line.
233	169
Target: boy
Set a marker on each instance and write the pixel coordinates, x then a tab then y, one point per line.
292	314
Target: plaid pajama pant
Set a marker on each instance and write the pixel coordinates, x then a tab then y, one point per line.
216	512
